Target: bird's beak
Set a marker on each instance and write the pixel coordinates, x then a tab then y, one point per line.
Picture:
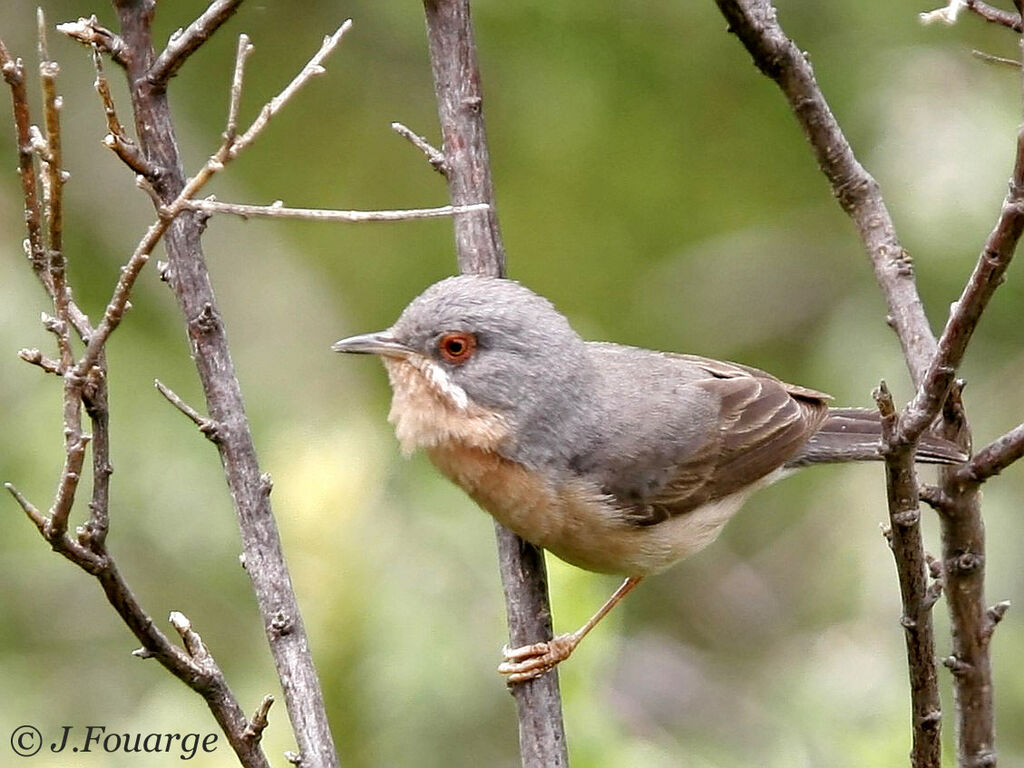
379	343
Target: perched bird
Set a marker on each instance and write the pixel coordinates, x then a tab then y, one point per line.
614	458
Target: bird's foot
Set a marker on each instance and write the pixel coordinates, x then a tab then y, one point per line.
530	661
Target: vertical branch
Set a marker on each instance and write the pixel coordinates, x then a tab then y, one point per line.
933	366
917	597
755	23
460	111
963	529
250	489
478	240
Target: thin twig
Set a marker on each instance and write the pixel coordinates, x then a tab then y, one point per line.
184	43
54	201
245	49
966	312
91	32
991	59
313	68
228	150
117	139
207	426
33	513
36	357
434	156
14	73
321	214
193	642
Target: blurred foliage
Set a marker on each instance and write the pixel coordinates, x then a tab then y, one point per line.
656	188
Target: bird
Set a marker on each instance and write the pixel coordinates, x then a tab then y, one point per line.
615	458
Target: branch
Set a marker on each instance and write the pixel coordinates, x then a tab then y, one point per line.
434	156
994	457
995	15
208	427
912	568
313	68
116	139
88	388
966	312
755	24
189	279
229	149
276	210
183	43
14	73
480	250
90	32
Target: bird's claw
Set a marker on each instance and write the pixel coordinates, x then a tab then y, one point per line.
530	661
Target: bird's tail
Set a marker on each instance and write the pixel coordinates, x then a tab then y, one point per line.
854	434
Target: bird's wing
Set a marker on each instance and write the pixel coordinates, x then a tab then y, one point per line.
762	422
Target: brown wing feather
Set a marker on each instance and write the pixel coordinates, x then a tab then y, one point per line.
763	423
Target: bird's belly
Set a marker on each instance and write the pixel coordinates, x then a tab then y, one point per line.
576	522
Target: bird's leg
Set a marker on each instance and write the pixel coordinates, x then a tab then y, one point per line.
530	661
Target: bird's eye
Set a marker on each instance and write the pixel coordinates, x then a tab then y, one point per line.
457	347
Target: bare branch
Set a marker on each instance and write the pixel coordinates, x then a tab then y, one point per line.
14	74
995	15
245	49
228	150
276	210
966	312
994	457
184	43
918	596
480	250
754	23
311	70
207	426
188	277
91	32
434	156
991	59
936	498
117	139
36	357
53	187
38	518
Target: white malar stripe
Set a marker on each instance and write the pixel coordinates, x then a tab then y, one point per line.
440	379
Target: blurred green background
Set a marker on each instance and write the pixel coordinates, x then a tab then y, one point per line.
656	188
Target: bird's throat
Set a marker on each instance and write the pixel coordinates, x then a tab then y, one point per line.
429	410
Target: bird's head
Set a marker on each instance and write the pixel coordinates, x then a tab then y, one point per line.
480	360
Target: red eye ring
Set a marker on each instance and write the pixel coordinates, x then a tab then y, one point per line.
457	346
